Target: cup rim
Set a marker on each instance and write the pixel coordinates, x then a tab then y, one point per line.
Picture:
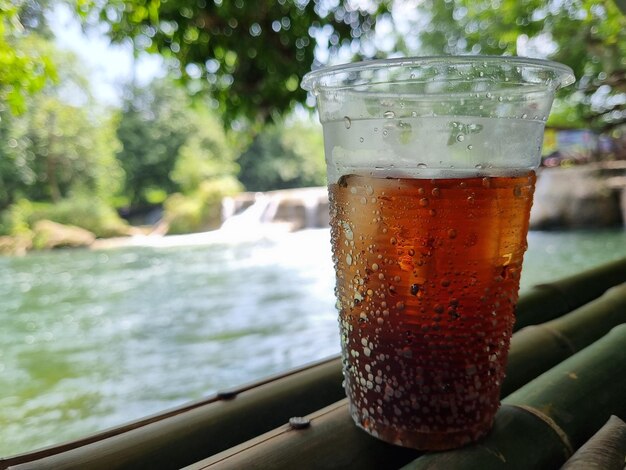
315	82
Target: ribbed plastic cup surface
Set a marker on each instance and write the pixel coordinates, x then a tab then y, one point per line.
431	177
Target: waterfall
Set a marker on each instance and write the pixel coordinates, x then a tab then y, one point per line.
262	211
294	209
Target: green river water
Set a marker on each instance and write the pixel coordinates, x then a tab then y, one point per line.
92	339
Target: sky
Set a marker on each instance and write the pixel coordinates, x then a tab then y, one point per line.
108	66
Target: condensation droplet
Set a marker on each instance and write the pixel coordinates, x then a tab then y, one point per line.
524	116
422	165
479	166
423	202
451	233
436	192
470	147
460	138
347	121
349	259
389	114
361	139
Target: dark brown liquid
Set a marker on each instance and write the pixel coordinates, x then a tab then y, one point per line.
427	279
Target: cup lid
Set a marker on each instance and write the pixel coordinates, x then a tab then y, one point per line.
522	70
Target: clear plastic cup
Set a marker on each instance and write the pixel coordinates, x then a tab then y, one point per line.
431	176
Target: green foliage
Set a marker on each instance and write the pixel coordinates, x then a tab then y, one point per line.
248	55
155	123
200	210
284	156
85	211
205	171
207	154
54	149
14	220
587	35
26	62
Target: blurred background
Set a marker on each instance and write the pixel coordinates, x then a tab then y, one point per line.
162	211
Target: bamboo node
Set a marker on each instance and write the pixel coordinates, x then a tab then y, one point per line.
550	422
560	337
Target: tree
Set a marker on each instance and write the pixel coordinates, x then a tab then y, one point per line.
205	172
60	149
155	123
25	62
207	154
587	35
54	148
283	156
249	55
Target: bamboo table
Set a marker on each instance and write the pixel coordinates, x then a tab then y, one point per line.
566	376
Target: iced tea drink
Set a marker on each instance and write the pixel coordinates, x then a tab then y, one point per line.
431	179
427	278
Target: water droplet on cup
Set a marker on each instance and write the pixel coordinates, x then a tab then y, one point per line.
470	147
361	139
347	121
389	114
460	138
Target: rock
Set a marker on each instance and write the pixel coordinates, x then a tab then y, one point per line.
15	245
577	197
50	234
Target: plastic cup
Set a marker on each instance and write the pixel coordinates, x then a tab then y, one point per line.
431	176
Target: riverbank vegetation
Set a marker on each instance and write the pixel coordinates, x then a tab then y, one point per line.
229	114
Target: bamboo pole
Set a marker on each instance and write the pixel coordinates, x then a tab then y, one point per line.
325	439
547	301
606	450
571	400
537	348
184	437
